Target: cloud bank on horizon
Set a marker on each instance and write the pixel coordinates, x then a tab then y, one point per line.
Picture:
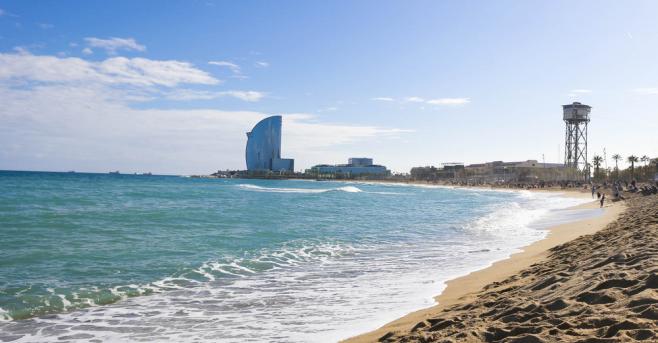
83	113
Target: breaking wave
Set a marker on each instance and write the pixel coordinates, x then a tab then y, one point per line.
348	189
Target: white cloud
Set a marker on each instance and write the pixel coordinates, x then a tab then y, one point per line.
328	109
21	50
250	96
116	70
646	91
581	91
93	128
87	51
262	64
46	26
414	99
449	101
70	113
230	65
187	94
112	44
575	93
438	101
2	12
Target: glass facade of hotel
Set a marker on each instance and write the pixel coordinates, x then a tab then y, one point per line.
263	151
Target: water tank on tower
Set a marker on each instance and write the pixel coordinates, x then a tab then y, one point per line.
576	118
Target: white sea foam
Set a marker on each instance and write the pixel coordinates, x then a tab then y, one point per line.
348	189
4	315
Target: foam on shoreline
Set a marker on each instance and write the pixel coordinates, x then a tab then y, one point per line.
567	224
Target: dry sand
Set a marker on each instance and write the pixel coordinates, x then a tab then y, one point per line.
601	286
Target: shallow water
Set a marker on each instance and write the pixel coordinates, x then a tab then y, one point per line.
131	258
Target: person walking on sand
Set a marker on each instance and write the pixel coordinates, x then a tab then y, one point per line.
593	190
602	199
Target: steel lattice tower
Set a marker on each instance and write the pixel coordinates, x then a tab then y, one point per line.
576	118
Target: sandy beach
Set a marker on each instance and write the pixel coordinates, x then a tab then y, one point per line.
591	280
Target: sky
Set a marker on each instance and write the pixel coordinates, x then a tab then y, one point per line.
173	86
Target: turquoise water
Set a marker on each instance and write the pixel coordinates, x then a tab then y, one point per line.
123	257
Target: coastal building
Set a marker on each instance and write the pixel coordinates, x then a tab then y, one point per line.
448	171
356	167
529	170
359	161
263	151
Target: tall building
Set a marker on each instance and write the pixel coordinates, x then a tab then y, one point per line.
263	151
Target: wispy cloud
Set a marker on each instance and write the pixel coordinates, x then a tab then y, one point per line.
449	101
24	66
250	96
87	51
113	44
46	26
419	100
262	64
574	93
21	50
230	65
646	91
8	14
328	109
414	99
187	94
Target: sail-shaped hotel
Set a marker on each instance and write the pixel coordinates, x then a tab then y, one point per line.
263	150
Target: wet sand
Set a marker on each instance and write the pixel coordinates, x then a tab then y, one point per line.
592	280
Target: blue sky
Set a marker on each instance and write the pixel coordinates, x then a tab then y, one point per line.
171	87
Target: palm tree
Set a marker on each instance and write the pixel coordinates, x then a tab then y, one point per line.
597	160
632	159
645	159
617	158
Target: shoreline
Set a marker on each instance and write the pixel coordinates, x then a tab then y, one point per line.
466	287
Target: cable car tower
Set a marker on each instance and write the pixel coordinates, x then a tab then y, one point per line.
576	118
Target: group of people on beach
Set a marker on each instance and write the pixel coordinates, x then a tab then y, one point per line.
617	189
599	195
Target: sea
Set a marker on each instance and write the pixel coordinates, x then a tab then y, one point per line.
130	258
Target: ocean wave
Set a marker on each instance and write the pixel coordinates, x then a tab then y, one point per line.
59	300
4	314
508	219
516	217
348	189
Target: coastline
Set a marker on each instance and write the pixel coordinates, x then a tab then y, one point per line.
465	288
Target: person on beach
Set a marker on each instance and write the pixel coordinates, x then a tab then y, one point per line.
593	190
602	199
